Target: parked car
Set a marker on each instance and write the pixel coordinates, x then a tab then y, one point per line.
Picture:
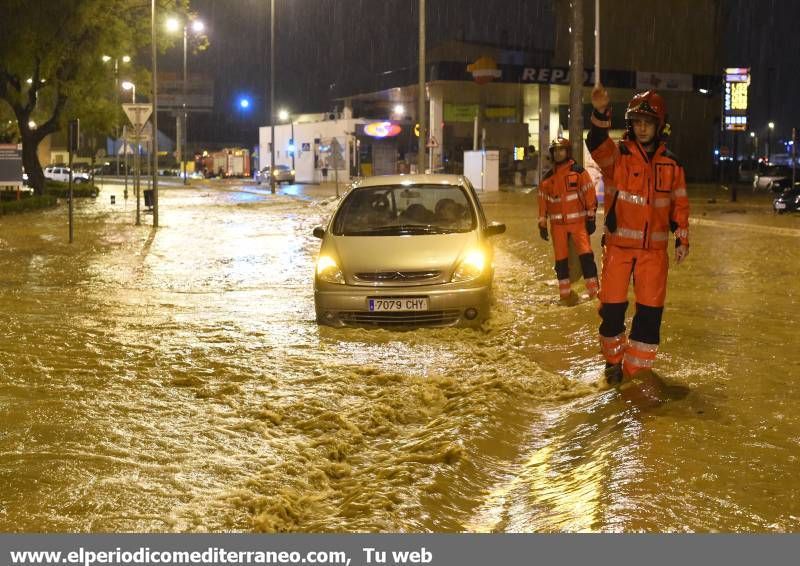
59	173
282	173
762	179
406	250
789	201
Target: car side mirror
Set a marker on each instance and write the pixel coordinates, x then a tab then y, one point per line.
494	229
319	232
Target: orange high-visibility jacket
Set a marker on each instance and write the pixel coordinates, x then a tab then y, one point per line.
566	195
644	198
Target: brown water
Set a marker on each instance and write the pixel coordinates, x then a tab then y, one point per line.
176	380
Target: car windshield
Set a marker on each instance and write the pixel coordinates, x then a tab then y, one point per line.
400	210
282	167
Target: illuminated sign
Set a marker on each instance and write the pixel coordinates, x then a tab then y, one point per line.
382	129
484	70
734	100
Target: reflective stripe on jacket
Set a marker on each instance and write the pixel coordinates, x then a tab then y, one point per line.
566	195
644	198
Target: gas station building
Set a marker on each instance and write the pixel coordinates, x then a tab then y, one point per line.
497	98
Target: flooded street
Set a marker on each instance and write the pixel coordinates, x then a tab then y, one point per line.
177	381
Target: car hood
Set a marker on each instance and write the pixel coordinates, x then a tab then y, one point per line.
373	254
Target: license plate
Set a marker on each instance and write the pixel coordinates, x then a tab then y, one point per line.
780	205
398	304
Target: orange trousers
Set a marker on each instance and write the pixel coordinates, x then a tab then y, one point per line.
580	237
648	268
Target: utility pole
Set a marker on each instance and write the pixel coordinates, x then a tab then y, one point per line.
272	95
423	122
155	111
184	136
576	83
116	108
794	156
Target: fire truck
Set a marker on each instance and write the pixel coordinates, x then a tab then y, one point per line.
228	162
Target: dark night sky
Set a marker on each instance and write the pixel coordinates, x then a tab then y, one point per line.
320	43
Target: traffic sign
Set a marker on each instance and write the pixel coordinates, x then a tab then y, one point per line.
432	143
336	154
138	113
143	134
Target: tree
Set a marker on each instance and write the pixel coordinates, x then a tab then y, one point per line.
51	66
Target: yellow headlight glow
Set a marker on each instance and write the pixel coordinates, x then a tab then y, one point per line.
471	266
328	270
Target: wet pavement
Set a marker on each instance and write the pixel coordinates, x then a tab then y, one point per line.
175	380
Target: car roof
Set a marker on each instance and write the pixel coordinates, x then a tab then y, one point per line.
417	179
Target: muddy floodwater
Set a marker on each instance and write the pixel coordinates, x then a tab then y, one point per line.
175	380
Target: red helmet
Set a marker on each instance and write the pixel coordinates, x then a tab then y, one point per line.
647	104
560	142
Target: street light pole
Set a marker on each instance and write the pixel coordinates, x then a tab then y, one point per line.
272	95
116	109
155	111
576	83
423	122
184	135
770	127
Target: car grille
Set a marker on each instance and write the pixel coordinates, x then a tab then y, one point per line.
416	318
397	276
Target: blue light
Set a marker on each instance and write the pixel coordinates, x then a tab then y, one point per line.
244	103
716	152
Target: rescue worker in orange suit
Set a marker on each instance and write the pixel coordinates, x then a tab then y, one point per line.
567	198
645	200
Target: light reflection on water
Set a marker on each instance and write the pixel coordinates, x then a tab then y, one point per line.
178	381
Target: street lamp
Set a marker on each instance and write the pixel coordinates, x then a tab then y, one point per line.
770	127
422	118
272	94
128	85
283	115
173	25
125	59
755	144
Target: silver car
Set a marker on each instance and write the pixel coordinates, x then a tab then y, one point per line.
282	174
406	250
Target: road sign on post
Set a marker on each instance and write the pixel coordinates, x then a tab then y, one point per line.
337	160
337	157
138	114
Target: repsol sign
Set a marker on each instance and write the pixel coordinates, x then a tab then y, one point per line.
451	71
551	75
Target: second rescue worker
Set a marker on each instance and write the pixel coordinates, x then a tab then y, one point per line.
645	199
567	198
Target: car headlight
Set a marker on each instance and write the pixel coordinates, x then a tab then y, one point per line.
328	271
470	267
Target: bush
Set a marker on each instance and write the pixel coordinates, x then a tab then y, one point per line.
27	204
61	190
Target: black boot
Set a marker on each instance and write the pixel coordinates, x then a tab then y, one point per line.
613	373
